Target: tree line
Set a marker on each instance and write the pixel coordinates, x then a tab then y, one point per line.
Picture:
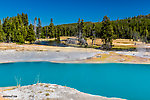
18	30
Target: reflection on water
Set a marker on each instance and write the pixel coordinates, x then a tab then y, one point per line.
51	43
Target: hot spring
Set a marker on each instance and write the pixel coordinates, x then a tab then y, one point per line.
128	81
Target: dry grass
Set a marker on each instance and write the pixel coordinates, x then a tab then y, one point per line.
113	57
118	43
9	89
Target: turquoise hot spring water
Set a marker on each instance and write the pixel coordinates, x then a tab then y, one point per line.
128	81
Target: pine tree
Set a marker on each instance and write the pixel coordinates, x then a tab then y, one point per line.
20	38
35	25
107	33
8	31
83	27
145	35
39	28
25	19
92	37
24	32
2	36
58	32
13	32
31	35
51	29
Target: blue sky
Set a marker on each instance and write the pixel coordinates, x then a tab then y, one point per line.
68	11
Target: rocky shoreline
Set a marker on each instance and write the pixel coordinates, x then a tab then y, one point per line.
43	91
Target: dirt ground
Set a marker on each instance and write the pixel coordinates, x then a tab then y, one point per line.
110	57
113	57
